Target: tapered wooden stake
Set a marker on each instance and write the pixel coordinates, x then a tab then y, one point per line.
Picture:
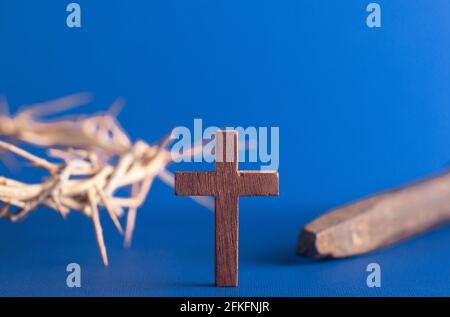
227	183
378	221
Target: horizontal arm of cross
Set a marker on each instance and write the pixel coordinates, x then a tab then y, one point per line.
258	183
194	184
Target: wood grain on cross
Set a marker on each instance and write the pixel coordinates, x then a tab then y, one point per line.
226	184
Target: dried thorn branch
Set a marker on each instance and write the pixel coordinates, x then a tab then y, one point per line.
32	158
132	211
98	227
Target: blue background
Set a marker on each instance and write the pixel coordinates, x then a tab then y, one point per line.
359	110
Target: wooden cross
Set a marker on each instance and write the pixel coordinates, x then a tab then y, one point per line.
226	184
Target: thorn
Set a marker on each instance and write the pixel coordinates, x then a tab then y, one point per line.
4	106
98	228
4	210
131	220
58	105
116	107
110	210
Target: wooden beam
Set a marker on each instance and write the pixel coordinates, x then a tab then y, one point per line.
378	221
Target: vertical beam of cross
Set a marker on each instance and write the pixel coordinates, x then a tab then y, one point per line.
226	184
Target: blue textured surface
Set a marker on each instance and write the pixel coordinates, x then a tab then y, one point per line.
359	110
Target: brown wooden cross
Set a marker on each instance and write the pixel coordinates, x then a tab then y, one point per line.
226	184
